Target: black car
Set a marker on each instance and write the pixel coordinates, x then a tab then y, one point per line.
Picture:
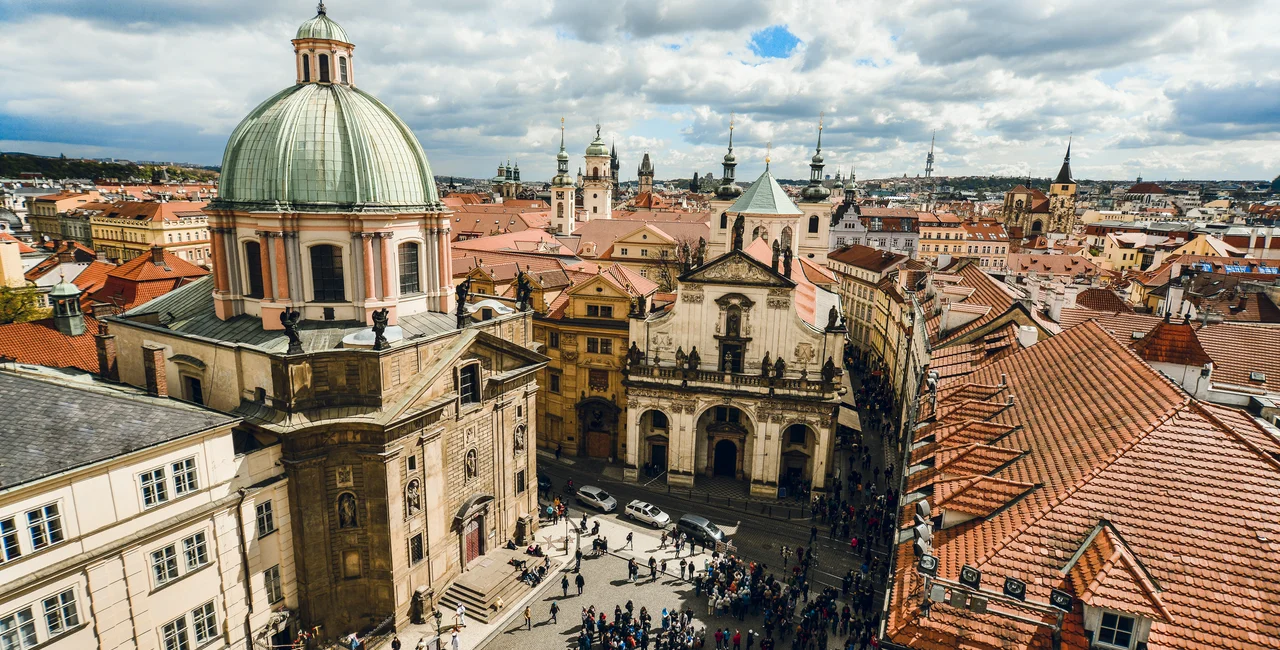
544	482
701	530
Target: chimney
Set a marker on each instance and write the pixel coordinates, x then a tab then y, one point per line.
1028	336
157	255
1173	302
153	366
106	344
1073	292
1055	306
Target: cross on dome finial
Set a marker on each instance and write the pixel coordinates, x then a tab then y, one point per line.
320	8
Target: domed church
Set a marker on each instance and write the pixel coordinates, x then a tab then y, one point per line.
405	432
327	204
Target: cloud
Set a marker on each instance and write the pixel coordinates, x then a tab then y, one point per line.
1188	89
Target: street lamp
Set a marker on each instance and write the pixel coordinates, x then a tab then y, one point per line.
438	617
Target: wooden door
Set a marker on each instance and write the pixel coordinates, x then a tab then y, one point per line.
472	541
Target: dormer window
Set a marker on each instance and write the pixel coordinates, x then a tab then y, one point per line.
324	68
1116	630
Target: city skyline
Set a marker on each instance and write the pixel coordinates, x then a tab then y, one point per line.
1190	95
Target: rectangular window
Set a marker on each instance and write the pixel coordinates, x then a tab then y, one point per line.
196	551
409	282
271	578
164	564
184	477
18	630
415	549
45	526
644	252
599	346
599	311
553	339
174	635
154	490
521	482
624	251
205	622
555	382
469	384
1116	630
60	612
266	518
9	549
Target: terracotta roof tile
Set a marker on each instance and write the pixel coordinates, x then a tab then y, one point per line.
40	343
23	248
1174	343
1099	299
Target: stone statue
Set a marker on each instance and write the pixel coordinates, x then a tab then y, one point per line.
829	371
780	368
380	318
461	292
695	360
413	498
833	318
765	365
471	466
786	261
700	257
777	252
739	225
347	511
634	356
681	358
686	257
524	292
289	318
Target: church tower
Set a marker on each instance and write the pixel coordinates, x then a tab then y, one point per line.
814	225
597	185
562	196
1062	198
726	193
645	174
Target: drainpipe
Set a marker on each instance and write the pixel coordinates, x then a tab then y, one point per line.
244	564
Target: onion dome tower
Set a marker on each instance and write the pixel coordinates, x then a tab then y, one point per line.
327	205
816	192
728	189
562	195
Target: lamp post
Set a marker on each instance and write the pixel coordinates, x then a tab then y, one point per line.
438	617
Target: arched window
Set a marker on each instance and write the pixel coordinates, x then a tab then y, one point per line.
324	68
724	219
306	68
595	172
786	237
326	274
413	498
560	210
253	265
409	278
658	419
758	233
342	69
797	434
813	223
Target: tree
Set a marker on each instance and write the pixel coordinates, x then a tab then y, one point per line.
17	305
672	262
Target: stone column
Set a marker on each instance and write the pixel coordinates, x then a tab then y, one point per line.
630	471
683	447
821	453
219	259
389	290
282	269
366	239
766	458
264	248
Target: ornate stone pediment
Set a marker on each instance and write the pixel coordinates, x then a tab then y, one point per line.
737	268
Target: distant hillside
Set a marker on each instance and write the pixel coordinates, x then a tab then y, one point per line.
13	165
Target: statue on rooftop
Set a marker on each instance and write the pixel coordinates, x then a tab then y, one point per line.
524	292
290	318
380	318
461	292
739	225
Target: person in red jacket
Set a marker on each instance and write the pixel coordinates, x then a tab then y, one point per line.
737	640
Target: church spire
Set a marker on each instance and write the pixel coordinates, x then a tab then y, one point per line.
1064	174
816	191
728	190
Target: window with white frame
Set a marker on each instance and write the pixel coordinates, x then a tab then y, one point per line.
10	549
266	518
196	551
271	579
174	635
45	526
164	565
185	479
18	630
155	490
204	620
1116	630
60	612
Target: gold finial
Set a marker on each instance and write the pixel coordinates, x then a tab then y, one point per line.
731	121
768	154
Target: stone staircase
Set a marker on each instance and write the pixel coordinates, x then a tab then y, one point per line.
490	578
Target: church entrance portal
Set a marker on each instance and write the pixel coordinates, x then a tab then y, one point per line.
658	456
726	459
473	542
598	423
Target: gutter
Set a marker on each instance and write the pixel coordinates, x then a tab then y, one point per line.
244	565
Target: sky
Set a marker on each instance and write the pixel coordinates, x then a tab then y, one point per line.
1179	89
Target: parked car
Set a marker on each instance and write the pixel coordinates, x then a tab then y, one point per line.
701	530
648	513
595	497
544	483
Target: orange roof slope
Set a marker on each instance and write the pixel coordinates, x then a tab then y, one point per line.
40	343
23	248
141	279
1174	343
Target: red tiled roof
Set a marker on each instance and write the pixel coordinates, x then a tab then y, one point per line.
1100	299
140	279
985	292
143	268
1145	188
23	248
1174	343
1189	490
1068	265
153	210
866	257
40	343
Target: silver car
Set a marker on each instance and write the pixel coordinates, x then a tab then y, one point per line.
597	498
648	513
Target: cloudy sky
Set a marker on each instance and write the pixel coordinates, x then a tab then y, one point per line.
1169	90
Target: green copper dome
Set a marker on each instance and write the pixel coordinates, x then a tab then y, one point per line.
325	148
597	146
322	27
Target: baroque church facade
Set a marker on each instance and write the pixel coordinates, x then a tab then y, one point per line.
406	431
1027	212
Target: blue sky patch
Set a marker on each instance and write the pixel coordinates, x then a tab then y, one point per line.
776	42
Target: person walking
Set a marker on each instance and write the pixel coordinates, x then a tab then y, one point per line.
395	642
455	641
461	615
564	585
737	640
557	452
653	568
629	540
555	609
580	582
528	618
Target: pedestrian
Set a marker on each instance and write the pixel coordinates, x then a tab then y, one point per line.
653	568
422	644
557	452
395	642
628	545
737	640
719	639
751	638
461	615
813	534
564	585
455	641
662	541
555	609
580	582
683	564
528	618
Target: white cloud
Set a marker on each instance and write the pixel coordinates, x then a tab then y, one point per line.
1181	90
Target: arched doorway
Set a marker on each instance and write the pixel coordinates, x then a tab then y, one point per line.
726	459
1037	227
470	524
598	426
655	430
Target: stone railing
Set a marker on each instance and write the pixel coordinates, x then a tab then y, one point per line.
794	381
